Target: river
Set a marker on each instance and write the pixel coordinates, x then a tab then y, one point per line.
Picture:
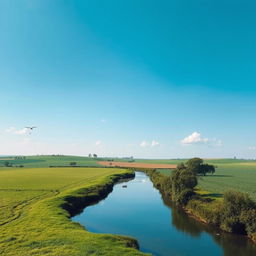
162	229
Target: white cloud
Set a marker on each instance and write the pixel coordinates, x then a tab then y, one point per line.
22	131
10	129
155	143
252	148
103	120
13	130
98	143
196	138
143	144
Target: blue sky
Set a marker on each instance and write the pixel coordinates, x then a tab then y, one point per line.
155	79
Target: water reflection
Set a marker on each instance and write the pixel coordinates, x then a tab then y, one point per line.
232	245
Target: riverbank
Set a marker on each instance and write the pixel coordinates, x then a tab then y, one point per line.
205	209
42	225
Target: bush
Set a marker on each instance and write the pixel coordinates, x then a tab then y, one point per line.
208	211
236	213
249	219
184	196
182	180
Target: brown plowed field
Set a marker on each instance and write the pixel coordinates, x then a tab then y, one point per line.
138	165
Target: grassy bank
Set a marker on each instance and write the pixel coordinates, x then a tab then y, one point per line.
36	205
234	213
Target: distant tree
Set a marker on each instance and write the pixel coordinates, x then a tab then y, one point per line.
206	168
95	156
193	164
197	166
90	155
72	163
7	164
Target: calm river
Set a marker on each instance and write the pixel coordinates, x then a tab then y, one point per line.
160	228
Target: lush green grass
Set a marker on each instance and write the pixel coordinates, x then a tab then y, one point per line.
238	176
46	161
32	216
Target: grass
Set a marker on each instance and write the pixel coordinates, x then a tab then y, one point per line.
46	161
230	174
240	176
32	202
32	216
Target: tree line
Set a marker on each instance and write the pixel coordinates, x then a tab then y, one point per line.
236	213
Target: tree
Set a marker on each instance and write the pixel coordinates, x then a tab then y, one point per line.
193	164
90	155
95	156
72	163
181	166
7	164
197	166
183	183
206	168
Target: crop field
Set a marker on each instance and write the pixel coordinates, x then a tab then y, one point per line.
33	221
137	165
46	161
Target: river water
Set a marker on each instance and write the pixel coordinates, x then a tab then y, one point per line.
162	229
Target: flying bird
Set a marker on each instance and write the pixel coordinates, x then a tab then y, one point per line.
31	128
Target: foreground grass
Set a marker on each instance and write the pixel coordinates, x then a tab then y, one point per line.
32	216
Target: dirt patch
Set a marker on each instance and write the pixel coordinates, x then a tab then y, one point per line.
138	165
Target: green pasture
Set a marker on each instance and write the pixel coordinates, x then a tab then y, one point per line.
46	161
230	174
32	218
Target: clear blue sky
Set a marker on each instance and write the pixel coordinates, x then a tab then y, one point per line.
118	78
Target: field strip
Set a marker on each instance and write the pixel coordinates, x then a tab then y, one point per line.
137	165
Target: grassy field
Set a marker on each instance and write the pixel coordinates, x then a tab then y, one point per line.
46	161
32	218
230	174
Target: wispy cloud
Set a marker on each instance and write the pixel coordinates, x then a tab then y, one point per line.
196	138
154	143
13	130
98	143
252	148
143	144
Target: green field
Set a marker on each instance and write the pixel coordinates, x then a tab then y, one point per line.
51	160
230	174
32	218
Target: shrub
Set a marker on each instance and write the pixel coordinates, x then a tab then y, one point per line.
235	213
249	219
184	196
